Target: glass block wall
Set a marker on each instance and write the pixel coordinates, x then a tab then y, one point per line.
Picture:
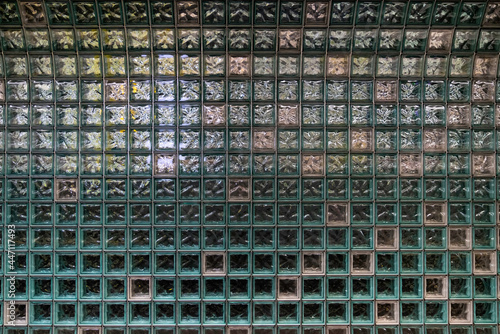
249	167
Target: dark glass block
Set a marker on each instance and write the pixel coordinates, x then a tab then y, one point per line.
288	238
59	13
420	13
368	13
385	287
190	263
188	12
190	213
162	12
394	13
165	214
165	263
265	40
9	13
238	262
116	263
165	287
66	312
287	262
213	12
265	12
263	237
337	262
111	12
312	213
214	287
140	312
386	262
337	311
410	262
214	238
190	189
288	213
137	12
91	263
343	12
190	238
263	189
263	286
140	263
190	311
471	13
20	285
291	12
115	312
214	214
67	263
91	213
361	238
239	12
33	13
91	288
238	238
214	189
66	288
165	189
140	214
238	288
263	262
263	312
190	287
312	311
85	12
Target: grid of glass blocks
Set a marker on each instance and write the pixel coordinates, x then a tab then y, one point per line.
250	167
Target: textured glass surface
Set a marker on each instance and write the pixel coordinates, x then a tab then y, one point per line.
249	167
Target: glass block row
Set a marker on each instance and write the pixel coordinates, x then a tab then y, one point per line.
194	140
244	65
410	164
261	238
435	328
233	189
258	140
165	116
143	288
436	40
213	213
265	91
356	262
246	13
456	312
339	288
